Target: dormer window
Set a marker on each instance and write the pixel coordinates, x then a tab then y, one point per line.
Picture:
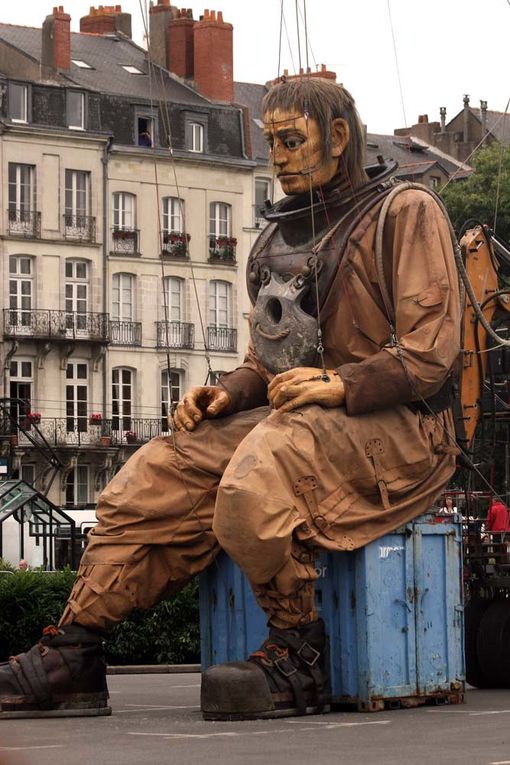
75	110
18	102
196	136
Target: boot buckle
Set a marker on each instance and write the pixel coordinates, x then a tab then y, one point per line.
308	654
285	667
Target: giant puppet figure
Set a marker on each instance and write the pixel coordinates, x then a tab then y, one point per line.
334	431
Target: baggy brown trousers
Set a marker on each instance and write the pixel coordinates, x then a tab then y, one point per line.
266	486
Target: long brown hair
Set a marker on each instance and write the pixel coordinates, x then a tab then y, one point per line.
324	100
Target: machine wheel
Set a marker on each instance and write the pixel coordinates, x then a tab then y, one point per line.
492	645
473	614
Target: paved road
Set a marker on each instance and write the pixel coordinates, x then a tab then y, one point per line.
156	721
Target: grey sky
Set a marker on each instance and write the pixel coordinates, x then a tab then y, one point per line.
445	47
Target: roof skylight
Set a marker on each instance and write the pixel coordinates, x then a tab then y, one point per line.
132	69
81	64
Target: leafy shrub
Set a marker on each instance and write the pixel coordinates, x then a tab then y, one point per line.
167	633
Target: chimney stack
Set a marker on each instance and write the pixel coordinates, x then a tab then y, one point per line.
180	44
466	119
213	57
106	20
442	115
324	73
159	18
483	116
56	40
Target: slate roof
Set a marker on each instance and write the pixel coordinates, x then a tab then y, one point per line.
414	156
498	123
106	54
251	95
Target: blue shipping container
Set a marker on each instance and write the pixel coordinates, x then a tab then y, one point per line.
393	611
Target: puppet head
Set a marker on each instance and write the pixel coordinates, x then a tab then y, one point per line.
314	133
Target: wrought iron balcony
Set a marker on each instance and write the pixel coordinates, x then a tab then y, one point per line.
175	334
175	245
25	223
222	339
126	333
125	241
222	249
80	228
133	430
56	325
62	431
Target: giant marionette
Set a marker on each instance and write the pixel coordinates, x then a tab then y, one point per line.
334	431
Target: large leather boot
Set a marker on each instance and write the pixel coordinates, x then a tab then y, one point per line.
63	675
288	675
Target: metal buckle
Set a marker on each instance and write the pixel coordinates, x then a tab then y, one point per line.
306	646
279	663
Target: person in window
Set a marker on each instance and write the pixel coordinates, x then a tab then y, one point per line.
292	450
145	139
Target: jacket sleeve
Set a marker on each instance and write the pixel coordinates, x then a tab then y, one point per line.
247	384
419	253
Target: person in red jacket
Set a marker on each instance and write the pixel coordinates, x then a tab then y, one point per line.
498	517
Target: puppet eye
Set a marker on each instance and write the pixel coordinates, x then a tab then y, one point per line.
293	142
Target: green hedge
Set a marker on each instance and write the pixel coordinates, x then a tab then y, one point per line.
166	634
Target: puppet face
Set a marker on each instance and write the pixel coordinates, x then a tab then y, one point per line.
296	146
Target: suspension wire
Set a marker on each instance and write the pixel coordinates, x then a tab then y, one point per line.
288	41
280	40
298	36
397	63
306	35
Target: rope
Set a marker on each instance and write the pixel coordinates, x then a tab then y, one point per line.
396	63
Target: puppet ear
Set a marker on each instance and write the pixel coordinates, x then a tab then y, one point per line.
339	136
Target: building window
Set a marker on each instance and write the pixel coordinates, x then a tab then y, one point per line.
219	303
173	209
20	389
18	102
78	224
123	211
76	295
122	297
262	193
172	298
434	181
171	387
76	397
196	137
20	291
219	219
122	399
77	486
22	216
75	110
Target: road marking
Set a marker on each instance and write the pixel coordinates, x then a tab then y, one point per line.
492	712
500	762
22	748
339	724
239	734
149	708
197	685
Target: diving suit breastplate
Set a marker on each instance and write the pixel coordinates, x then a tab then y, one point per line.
293	264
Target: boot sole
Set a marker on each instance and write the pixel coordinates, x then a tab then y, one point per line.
267	715
72	705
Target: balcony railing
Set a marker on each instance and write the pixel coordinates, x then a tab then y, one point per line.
126	333
56	325
222	249
125	241
222	339
175	334
26	223
174	245
78	431
80	228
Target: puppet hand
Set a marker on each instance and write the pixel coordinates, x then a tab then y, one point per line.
199	403
304	385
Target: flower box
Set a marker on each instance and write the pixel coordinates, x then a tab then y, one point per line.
131	437
95	419
34	418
